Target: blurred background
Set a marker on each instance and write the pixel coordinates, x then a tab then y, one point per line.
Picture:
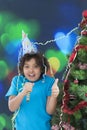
50	23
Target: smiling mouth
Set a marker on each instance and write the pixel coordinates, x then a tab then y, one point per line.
31	75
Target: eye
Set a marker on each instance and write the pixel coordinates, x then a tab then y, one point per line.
36	66
26	66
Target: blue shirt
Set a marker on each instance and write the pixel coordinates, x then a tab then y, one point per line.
32	115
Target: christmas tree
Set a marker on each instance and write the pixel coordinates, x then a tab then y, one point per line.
73	112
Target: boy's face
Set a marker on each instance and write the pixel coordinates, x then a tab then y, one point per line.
31	70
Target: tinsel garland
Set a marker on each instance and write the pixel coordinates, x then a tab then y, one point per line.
73	55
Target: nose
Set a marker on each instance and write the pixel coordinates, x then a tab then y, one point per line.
31	69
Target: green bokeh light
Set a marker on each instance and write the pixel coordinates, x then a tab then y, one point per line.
5	122
4	39
3	69
2	122
15	29
34	28
4	19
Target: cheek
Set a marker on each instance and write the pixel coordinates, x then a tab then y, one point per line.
39	72
24	71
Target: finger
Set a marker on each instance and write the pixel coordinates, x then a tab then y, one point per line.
32	84
55	84
55	90
56	81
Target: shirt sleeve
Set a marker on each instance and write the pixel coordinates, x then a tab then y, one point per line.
13	88
49	90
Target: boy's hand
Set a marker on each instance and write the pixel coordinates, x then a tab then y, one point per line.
27	88
55	89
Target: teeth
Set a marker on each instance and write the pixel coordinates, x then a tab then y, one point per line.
31	74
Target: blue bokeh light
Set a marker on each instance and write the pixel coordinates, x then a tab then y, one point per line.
65	42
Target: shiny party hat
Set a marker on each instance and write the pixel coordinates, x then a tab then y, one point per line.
26	46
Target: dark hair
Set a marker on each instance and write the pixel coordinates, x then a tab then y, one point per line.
40	61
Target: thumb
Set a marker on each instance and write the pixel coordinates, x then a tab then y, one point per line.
56	81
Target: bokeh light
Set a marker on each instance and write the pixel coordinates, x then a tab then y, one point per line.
66	43
3	69
5	122
55	63
58	58
2	122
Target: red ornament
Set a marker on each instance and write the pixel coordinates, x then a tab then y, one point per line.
84	20
76	81
84	32
82	66
86	94
84	13
65	81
